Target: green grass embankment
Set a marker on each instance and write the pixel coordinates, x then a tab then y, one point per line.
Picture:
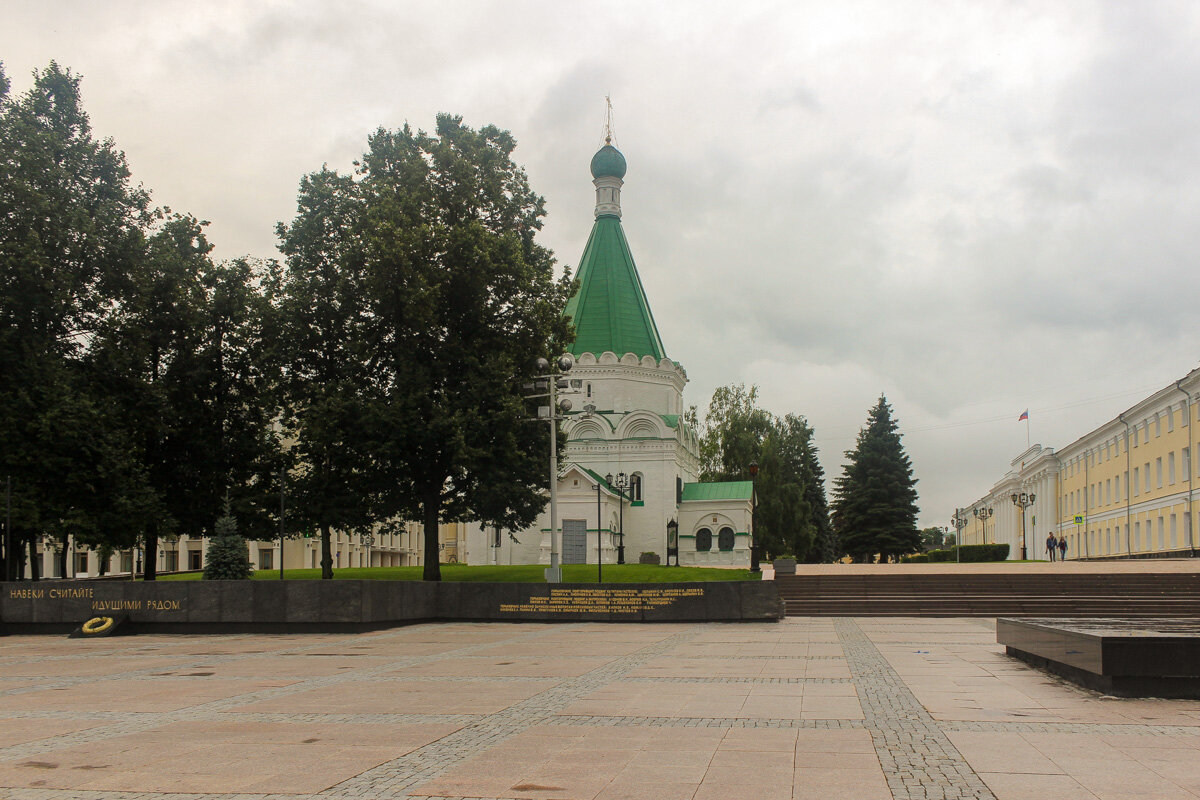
521	573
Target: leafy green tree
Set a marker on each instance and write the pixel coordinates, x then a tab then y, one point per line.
186	356
932	538
71	231
791	516
228	556
424	278
875	499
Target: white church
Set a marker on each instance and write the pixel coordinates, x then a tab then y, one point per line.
628	483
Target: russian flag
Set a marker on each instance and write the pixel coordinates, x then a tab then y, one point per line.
1024	416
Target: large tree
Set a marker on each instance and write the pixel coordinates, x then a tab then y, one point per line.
791	516
71	231
430	299
187	356
875	499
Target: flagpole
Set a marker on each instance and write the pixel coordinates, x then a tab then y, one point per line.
1027	444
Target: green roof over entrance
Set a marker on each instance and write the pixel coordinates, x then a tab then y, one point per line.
723	490
610	311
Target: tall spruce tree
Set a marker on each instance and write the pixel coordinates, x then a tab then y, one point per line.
875	499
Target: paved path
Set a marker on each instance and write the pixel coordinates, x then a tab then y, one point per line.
851	709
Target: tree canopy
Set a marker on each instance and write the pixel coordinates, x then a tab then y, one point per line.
415	299
791	515
875	498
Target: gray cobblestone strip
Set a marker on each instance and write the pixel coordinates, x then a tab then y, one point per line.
706	722
918	759
1096	728
396	777
732	679
137	722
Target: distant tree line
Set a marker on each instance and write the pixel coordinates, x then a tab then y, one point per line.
791	516
375	371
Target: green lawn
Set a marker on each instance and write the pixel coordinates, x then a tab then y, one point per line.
523	573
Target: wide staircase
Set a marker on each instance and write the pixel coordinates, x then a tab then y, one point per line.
992	595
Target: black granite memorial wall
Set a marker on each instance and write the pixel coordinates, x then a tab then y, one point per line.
233	606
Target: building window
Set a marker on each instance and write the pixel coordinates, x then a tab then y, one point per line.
1171	468
1146	475
81	563
1137	535
195	559
171	560
1158	471
1170	420
703	540
127	561
725	538
1173	532
1162	539
264	558
1117	488
1107	492
1135	436
1157	425
635	487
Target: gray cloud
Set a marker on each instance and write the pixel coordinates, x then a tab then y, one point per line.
976	208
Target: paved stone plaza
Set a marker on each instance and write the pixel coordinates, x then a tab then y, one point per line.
848	709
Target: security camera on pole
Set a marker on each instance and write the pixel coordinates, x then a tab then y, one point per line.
549	383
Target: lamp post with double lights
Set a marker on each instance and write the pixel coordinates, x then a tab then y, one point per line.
983	515
1023	500
620	483
959	521
754	567
549	383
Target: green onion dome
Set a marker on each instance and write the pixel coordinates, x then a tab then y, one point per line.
608	163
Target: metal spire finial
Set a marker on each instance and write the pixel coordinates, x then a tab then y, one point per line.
608	126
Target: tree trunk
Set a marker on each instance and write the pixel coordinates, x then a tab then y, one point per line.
150	567
63	557
433	568
326	553
35	566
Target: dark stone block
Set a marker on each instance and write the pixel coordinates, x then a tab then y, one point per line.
1132	657
760	600
268	601
204	602
326	601
722	600
449	600
374	600
237	600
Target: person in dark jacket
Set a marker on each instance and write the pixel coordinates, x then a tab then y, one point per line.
1051	545
1062	547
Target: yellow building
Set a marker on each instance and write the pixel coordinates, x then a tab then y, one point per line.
1124	490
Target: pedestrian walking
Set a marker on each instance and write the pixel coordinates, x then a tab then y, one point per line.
1062	547
1051	545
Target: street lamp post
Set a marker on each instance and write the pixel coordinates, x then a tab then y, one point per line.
622	483
672	541
548	384
959	521
599	539
1023	500
754	567
983	515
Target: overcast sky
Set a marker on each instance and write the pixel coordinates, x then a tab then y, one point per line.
974	208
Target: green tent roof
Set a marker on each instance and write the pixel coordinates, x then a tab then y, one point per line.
610	311
724	490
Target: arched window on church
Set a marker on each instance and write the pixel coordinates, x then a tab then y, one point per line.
725	539
635	487
703	540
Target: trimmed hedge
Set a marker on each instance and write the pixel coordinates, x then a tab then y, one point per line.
983	552
967	553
